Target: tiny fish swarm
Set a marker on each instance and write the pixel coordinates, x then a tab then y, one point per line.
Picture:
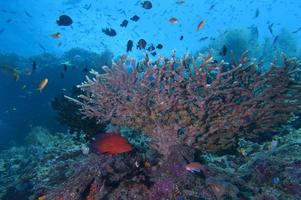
213	103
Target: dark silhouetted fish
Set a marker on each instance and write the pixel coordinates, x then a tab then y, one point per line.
151	47
129	46
296	31
182	37
271	28
34	66
154	53
141	44
180	2
159	46
65	67
42	47
87	6
135	18
109	31
223	51
124	23
27	14
203	38
256	13
8	21
64	20
275	40
147	5
85	70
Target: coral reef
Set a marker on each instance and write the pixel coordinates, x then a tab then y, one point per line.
47	160
68	115
203	103
265	172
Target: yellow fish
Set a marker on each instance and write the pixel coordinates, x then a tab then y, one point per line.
43	84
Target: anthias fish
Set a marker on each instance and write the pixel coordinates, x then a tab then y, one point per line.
42	84
173	20
200	25
195	167
56	35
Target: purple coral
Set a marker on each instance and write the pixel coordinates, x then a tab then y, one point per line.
162	189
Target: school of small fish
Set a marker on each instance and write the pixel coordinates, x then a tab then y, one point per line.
65	20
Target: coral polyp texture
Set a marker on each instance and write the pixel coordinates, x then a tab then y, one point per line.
199	102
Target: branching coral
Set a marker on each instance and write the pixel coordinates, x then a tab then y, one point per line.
207	105
67	114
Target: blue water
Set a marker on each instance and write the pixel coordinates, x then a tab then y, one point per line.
25	36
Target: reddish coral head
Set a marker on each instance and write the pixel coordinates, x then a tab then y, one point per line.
112	143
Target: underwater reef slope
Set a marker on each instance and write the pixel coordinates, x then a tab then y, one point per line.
63	169
199	102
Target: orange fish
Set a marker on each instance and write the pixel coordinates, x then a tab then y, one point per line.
42	85
201	25
112	143
56	35
173	20
195	167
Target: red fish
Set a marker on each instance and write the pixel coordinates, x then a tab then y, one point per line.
112	143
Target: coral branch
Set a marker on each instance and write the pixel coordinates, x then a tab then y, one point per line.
212	104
